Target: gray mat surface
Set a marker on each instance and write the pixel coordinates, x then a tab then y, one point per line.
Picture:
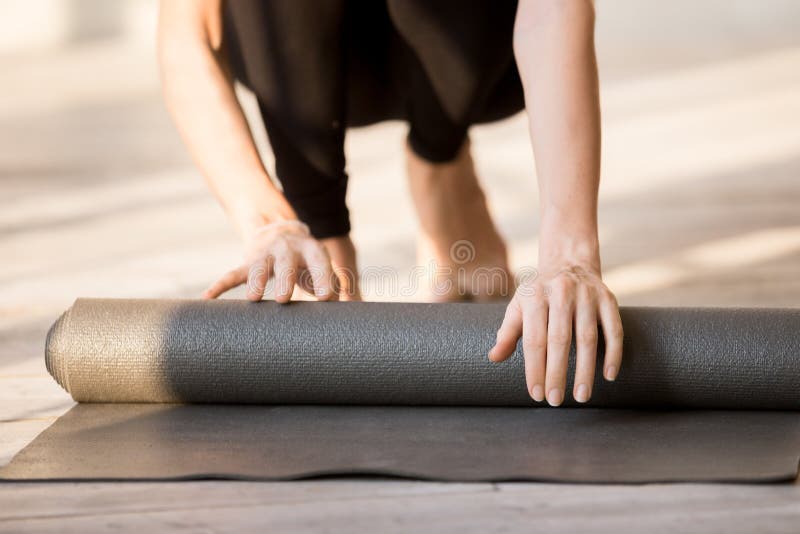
141	441
426	354
315	389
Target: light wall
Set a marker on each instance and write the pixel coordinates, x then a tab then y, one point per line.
33	25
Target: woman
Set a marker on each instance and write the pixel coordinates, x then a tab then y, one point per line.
318	67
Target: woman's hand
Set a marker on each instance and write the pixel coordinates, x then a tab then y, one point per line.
566	298
195	77
554	50
286	253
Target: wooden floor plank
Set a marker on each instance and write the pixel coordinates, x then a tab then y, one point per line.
545	508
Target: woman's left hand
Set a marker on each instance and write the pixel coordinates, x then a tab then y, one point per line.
565	298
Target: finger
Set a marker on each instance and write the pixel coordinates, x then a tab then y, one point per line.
534	346
585	345
285	272
613	334
229	280
559	337
346	283
508	334
318	264
304	281
257	277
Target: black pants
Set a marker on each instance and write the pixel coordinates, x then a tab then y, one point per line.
320	66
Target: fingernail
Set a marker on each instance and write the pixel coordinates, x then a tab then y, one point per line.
537	393
582	393
555	397
611	373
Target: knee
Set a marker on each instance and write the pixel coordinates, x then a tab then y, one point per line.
465	97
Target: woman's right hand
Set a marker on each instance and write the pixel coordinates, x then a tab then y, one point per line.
287	253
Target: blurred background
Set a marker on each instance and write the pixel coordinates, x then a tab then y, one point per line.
700	199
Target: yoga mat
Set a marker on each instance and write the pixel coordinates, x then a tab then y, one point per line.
315	389
228	351
467	443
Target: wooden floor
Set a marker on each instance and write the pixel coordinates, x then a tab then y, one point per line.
700	205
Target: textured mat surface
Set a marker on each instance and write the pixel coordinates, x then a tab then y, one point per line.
147	441
372	353
315	389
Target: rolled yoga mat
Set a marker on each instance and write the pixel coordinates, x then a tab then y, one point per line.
312	389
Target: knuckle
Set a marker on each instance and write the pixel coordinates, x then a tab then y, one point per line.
319	259
560	307
559	285
280	244
535	344
587	292
615	331
562	296
541	292
607	295
568	278
284	260
559	336
587	337
556	377
529	289
529	307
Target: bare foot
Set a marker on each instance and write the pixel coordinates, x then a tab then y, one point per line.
458	245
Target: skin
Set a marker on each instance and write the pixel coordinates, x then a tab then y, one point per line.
554	50
451	206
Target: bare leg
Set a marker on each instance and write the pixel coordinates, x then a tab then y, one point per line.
459	246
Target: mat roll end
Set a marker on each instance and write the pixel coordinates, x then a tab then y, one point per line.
55	357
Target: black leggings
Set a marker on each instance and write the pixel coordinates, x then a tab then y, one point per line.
320	66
